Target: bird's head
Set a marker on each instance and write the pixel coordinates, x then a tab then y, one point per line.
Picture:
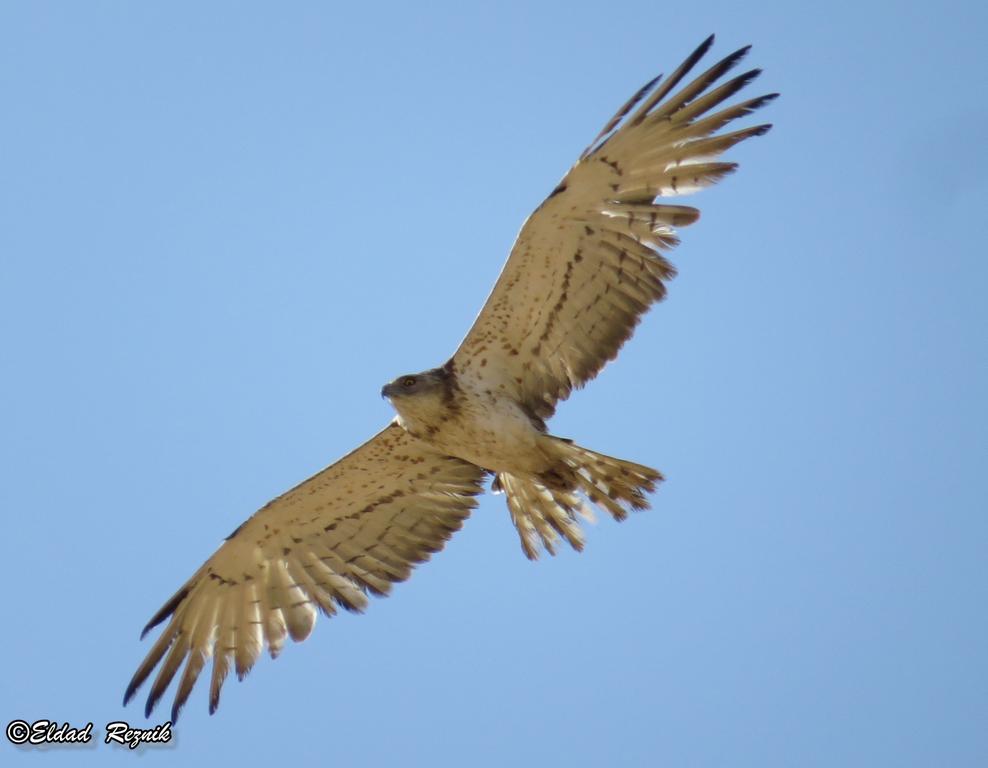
420	398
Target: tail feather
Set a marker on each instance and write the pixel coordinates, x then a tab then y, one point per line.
542	515
546	508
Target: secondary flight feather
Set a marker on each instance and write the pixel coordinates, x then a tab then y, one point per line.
588	263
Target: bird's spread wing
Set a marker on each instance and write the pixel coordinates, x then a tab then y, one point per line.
356	527
587	263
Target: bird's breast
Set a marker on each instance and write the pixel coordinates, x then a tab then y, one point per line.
492	433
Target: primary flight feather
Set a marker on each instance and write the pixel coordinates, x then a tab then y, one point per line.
587	265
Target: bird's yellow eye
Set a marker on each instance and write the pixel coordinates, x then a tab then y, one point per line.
410	381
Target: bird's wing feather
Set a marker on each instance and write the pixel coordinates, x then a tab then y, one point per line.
356	527
588	262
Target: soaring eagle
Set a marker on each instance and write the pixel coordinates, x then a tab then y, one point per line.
586	266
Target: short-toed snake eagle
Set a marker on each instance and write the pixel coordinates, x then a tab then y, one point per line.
586	266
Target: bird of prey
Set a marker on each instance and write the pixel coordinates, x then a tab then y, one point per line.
587	264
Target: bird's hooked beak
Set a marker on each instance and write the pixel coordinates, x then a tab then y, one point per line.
387	390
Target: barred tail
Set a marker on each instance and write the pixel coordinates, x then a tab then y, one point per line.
545	508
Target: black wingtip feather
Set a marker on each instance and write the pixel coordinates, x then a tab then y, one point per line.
761	101
703	47
601	138
617	118
730	61
699	53
166	610
645	88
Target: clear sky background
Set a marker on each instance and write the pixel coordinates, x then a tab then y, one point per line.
225	225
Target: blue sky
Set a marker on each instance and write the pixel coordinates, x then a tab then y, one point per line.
225	225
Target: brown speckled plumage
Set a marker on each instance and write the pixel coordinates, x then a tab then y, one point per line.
588	263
